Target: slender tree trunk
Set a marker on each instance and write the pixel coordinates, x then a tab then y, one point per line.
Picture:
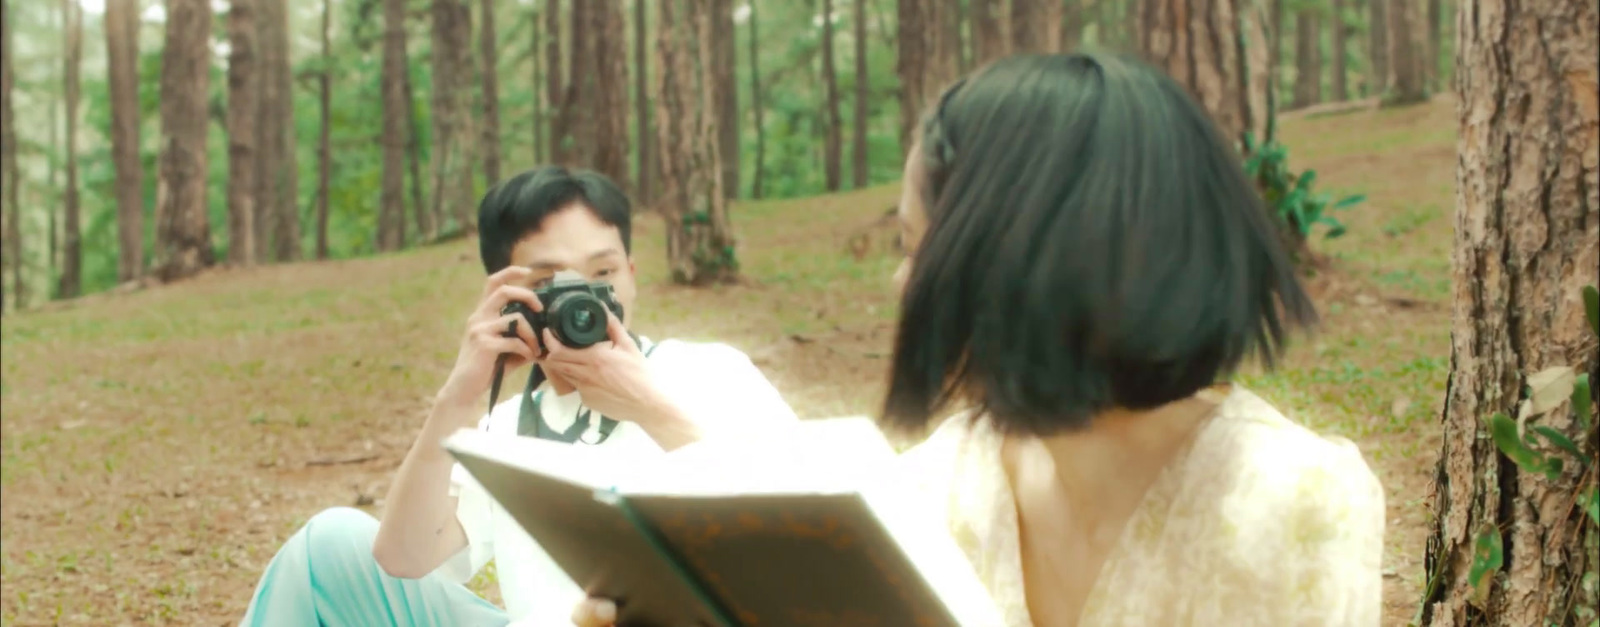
700	245
1071	36
943	45
756	180
911	65
953	24
858	157
1307	60
1198	43
1431	62
725	62
1405	54
244	135
122	53
1274	40
1035	25
989	41
427	226
452	156
183	227
1527	241
1341	48
610	112
391	204
537	87
325	138
554	86
10	188
278	203
72	268
577	115
641	90
832	138
1378	47
489	58
53	240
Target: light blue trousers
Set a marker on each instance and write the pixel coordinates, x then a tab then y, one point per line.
325	575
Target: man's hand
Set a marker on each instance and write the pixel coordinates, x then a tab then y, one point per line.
615	380
485	339
594	613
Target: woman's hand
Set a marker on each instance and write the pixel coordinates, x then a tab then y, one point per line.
595	613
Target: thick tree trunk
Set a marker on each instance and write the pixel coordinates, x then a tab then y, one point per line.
451	161
1198	43
489	59
911	62
576	118
858	153
1307	60
183	226
1341	47
608	31
1527	241
1071	36
1405	54
726	63
554	87
391	203
244	133
325	136
72	266
943	44
641	113
832	152
1378	74
755	108
279	200
990	40
700	245
122	57
1035	26
10	188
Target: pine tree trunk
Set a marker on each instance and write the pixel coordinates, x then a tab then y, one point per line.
1035	25
10	188
989	37
391	203
858	154
1378	74
643	189
452	157
1071	36
1405	54
1307	60
1198	43
422	211
1527	241
489	59
610	110
1341	48
832	153
1274	39
700	246
576	119
911	61
278	202
121	25
244	135
52	221
554	87
943	46
72	267
535	56
755	108
725	62
183	228
1435	39
325	137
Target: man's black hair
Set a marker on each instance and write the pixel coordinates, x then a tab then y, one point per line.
519	205
1093	243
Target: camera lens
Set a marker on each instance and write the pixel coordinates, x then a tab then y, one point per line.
578	319
583	320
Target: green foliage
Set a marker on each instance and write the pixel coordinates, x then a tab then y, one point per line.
1290	196
1488	556
1517	448
1591	307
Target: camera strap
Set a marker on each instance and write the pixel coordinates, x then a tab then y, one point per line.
530	418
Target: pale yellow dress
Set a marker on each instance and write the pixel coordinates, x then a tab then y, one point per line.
1259	521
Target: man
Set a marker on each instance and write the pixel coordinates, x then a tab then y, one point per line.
439	527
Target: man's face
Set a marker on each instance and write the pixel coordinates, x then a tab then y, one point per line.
574	239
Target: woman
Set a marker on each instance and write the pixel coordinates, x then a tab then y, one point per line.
1086	263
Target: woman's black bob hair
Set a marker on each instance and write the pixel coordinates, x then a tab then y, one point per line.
1093	243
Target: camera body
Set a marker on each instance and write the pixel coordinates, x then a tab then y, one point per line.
574	311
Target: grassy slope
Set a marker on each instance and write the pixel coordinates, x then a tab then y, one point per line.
157	447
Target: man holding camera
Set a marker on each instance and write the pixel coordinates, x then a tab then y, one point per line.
596	385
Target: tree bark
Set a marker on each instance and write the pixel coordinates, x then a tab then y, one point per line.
183	227
911	56
756	181
122	57
1275	39
832	152
989	37
1405	55
608	32
1071	35
1307	60
1035	26
72	265
1435	38
700	245
427	226
943	45
244	118
1377	80
452	156
725	61
641	113
1198	43
1341	47
489	58
279	199
535	56
577	101
858	155
1527	240
325	136
555	88
391	203
10	189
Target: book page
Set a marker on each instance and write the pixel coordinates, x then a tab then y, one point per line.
825	456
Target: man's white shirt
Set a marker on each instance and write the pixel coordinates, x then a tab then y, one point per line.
717	387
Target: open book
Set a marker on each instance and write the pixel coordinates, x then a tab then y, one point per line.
805	526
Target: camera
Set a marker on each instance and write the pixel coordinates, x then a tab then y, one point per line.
574	311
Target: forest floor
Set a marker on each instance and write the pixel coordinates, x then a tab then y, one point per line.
158	446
